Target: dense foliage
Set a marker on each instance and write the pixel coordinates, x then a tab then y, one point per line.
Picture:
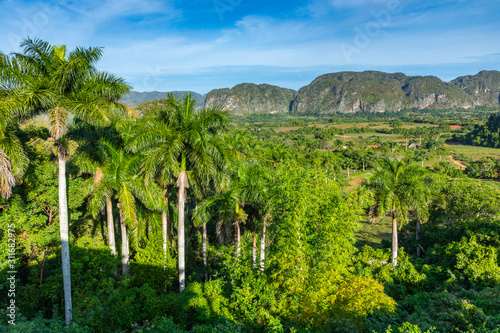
487	135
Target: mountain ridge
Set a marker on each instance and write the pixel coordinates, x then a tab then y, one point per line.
350	91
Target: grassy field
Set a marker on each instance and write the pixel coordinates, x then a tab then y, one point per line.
372	234
367	233
371	125
474	152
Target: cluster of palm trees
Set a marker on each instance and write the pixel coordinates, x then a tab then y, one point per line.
135	162
63	85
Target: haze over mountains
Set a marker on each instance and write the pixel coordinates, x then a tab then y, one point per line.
136	97
345	92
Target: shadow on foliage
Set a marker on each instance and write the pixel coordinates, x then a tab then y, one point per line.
103	300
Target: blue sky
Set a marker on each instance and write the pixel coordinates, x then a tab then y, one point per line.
202	45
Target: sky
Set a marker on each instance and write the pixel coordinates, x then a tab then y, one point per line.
203	45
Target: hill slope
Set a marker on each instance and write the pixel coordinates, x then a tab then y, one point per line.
251	98
484	87
344	92
373	91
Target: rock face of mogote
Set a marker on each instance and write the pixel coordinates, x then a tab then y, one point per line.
373	91
484	87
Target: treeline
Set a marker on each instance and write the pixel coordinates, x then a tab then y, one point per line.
487	135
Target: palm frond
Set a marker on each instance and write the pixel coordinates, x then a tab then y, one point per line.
58	122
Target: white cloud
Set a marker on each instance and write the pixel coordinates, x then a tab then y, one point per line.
357	3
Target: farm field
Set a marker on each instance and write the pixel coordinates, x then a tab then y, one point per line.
473	152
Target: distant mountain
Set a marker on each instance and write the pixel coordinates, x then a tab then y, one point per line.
484	87
134	97
373	91
248	98
345	92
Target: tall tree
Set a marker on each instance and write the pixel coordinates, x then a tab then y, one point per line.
120	178
398	189
422	154
153	135
91	159
245	198
48	79
13	158
191	142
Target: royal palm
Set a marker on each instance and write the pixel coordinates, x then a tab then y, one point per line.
120	178
47	79
178	138
398	189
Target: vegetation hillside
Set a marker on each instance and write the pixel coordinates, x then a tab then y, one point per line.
351	92
248	98
372	91
484	87
369	91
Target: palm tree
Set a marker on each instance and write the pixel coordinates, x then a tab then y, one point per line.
398	189
406	136
91	159
191	143
246	196
348	163
365	158
154	135
422	154
46	78
393	145
120	178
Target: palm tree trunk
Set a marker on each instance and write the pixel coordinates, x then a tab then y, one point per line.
254	249
182	183
204	245
417	230
64	231
394	240
347	171
263	243
164	228
237	238
111	226
125	246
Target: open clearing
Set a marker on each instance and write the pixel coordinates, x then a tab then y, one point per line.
473	152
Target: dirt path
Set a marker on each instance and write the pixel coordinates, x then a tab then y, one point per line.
460	165
354	183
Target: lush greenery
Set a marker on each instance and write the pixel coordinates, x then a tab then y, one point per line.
186	220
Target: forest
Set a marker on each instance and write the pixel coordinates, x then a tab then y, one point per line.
167	217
